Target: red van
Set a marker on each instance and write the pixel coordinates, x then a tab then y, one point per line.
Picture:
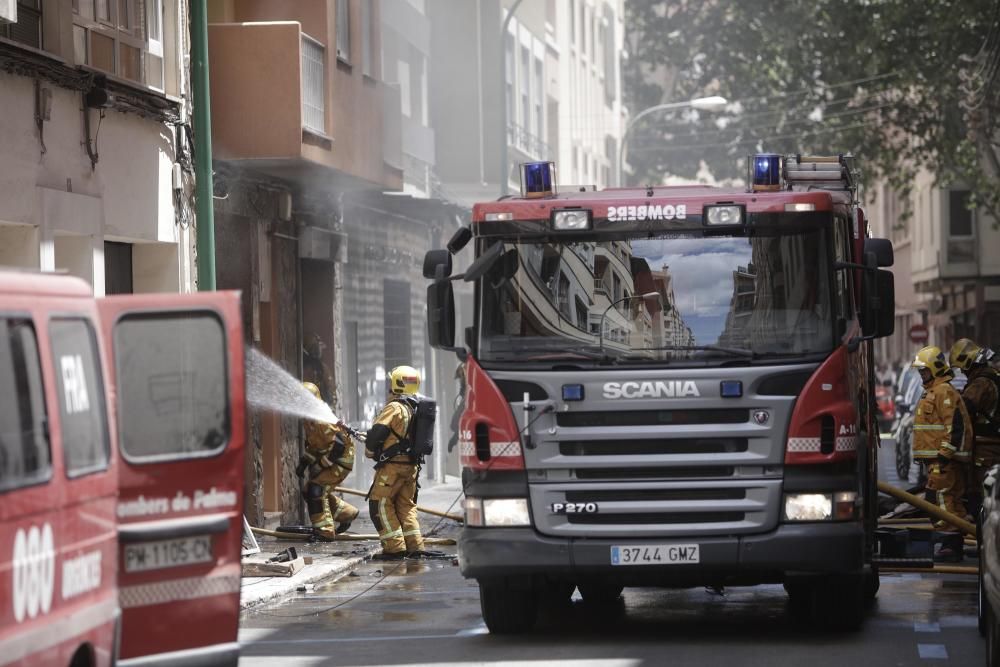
121	441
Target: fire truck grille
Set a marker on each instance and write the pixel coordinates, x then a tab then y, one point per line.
654	473
655	508
649	495
657	518
658	446
653	417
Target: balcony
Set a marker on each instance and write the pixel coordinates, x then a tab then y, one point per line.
273	110
532	146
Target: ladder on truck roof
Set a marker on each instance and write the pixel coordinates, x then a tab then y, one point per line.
822	172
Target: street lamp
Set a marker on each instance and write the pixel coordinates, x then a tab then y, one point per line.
647	295
714	103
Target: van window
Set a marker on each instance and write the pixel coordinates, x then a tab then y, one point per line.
80	384
25	457
173	398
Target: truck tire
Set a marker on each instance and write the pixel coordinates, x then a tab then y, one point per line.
838	602
599	592
507	610
557	592
872	583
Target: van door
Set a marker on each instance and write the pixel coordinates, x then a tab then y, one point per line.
179	407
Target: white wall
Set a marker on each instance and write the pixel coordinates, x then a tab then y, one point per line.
127	195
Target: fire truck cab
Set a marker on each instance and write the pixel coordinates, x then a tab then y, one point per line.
121	444
670	387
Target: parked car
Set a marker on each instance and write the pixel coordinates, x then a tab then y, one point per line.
908	391
988	539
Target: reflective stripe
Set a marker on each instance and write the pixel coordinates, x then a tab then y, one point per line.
962	456
803	444
225	581
385	522
929	453
928	427
948	445
325	523
940	497
411	533
57	629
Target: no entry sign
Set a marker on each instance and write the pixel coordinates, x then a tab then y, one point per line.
918	333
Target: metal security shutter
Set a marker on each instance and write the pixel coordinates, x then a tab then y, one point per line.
28	29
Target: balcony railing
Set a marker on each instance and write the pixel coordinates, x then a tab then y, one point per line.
526	142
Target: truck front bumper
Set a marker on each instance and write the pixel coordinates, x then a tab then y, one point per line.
789	550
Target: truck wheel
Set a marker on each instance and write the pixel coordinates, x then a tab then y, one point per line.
600	592
992	639
838	602
507	610
557	592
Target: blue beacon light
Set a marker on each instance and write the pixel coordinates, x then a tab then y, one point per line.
537	179
766	172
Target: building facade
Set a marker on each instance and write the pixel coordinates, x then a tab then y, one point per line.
947	272
96	178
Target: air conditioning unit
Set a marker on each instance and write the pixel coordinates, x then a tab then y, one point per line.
8	11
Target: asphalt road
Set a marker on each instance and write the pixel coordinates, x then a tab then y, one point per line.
425	613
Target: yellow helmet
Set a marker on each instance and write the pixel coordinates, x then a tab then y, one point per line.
932	358
964	353
313	389
404	380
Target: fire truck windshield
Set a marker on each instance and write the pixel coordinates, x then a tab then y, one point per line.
689	297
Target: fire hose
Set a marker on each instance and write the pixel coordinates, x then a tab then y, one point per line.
426	510
930	508
342	538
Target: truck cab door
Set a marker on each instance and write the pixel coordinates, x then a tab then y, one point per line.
178	404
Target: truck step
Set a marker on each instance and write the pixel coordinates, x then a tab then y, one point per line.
915	563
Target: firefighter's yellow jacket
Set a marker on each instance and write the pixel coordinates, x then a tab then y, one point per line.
941	426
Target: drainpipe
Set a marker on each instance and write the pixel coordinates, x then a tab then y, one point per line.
202	117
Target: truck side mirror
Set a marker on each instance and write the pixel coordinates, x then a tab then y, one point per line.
434	260
886	288
882	250
441	314
459	240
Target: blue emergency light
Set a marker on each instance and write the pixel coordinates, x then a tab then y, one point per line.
572	392
538	179
766	172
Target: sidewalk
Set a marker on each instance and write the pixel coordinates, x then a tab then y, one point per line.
335	559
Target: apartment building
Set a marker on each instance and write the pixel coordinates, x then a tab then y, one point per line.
96	176
947	270
591	116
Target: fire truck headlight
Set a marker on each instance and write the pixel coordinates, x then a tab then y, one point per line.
723	215
808	507
576	219
506	512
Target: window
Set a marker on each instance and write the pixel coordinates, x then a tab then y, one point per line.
961	228
509	69
173	388
404	88
572	21
313	85
842	244
539	100
121	37
28	29
344	30
525	88
610	60
564	296
367	40
550	12
118	268
959	214
396	323
80	391
25	457
582	313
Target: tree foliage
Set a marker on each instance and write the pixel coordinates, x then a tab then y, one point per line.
901	84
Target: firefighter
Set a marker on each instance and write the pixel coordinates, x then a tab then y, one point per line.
392	499
942	434
328	460
982	399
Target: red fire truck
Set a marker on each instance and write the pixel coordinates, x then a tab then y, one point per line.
670	386
121	445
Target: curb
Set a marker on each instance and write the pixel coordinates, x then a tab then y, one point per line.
273	589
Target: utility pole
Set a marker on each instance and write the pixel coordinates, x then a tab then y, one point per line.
202	117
